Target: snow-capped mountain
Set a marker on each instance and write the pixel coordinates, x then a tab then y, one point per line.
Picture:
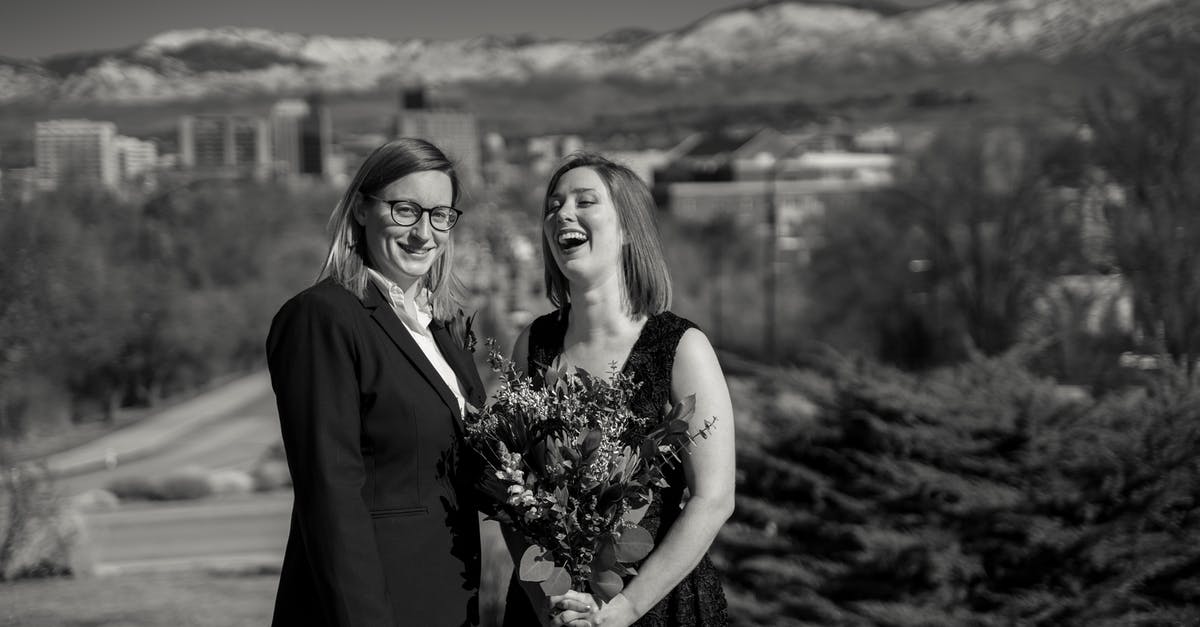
197	63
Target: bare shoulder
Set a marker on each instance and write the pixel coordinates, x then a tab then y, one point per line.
696	361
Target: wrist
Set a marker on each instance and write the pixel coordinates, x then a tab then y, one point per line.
624	607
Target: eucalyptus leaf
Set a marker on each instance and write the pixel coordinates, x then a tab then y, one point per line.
559	582
683	409
534	564
605	584
606	555
633	544
634	516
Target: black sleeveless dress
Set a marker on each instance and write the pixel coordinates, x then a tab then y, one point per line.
699	599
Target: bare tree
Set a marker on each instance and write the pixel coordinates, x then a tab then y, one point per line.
1146	145
990	226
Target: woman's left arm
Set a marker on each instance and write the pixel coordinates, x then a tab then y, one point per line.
709	470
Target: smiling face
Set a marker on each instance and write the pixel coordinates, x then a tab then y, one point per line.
404	254
582	228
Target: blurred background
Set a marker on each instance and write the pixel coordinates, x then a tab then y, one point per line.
946	250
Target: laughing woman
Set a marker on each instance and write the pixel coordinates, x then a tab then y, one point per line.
606	273
370	384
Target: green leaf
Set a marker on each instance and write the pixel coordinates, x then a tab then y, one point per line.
633	544
557	583
683	409
605	584
606	554
634	516
535	566
591	443
551	377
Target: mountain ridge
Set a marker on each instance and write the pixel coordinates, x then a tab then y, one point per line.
187	64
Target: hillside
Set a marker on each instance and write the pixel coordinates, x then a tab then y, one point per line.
829	35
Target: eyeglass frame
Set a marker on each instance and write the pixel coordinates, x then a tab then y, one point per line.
423	210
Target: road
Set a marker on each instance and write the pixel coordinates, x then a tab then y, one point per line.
228	427
217	533
211	414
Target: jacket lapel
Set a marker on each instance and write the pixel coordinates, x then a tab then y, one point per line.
383	315
461	362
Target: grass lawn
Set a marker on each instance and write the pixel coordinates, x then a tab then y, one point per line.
181	599
195	598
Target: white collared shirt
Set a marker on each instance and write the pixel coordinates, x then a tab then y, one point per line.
416	321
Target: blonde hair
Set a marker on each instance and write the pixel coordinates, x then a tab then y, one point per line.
643	266
348	258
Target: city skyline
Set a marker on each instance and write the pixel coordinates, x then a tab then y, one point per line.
41	31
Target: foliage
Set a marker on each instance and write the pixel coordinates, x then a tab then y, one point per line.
116	301
974	495
270	471
956	253
1146	147
571	468
179	485
37	538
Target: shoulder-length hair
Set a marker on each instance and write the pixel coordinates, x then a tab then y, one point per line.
644	272
348	257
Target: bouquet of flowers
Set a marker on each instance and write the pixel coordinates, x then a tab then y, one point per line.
563	468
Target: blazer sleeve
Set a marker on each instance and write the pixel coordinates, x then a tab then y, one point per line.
313	360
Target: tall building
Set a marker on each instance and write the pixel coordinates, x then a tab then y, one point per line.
225	145
301	137
455	132
77	151
136	159
286	117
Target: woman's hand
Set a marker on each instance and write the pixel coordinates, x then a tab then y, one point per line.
578	609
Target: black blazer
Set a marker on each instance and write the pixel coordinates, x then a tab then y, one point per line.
384	525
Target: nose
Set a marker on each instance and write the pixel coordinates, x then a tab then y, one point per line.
423	228
566	213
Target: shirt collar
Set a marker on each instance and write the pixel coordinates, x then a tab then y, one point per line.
399	301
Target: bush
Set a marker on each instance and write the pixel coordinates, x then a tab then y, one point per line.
271	475
231	482
134	489
37	536
96	500
184	484
975	495
270	472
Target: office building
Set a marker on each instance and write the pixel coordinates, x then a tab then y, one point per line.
301	137
225	145
75	151
455	132
136	159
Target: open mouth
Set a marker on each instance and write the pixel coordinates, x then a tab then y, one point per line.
570	240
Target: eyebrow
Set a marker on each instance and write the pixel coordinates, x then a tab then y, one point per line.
577	190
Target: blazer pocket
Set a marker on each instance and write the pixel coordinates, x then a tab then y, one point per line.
402	512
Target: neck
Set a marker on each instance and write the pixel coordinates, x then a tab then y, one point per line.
601	309
411	286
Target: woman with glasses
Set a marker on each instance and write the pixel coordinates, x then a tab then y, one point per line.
371	371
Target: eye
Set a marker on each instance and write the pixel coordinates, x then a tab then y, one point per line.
553	205
406	209
585	201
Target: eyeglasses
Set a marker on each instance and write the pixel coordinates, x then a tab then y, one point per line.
408	213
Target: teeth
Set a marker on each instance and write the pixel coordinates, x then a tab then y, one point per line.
571	237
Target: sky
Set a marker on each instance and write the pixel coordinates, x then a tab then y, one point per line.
37	28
